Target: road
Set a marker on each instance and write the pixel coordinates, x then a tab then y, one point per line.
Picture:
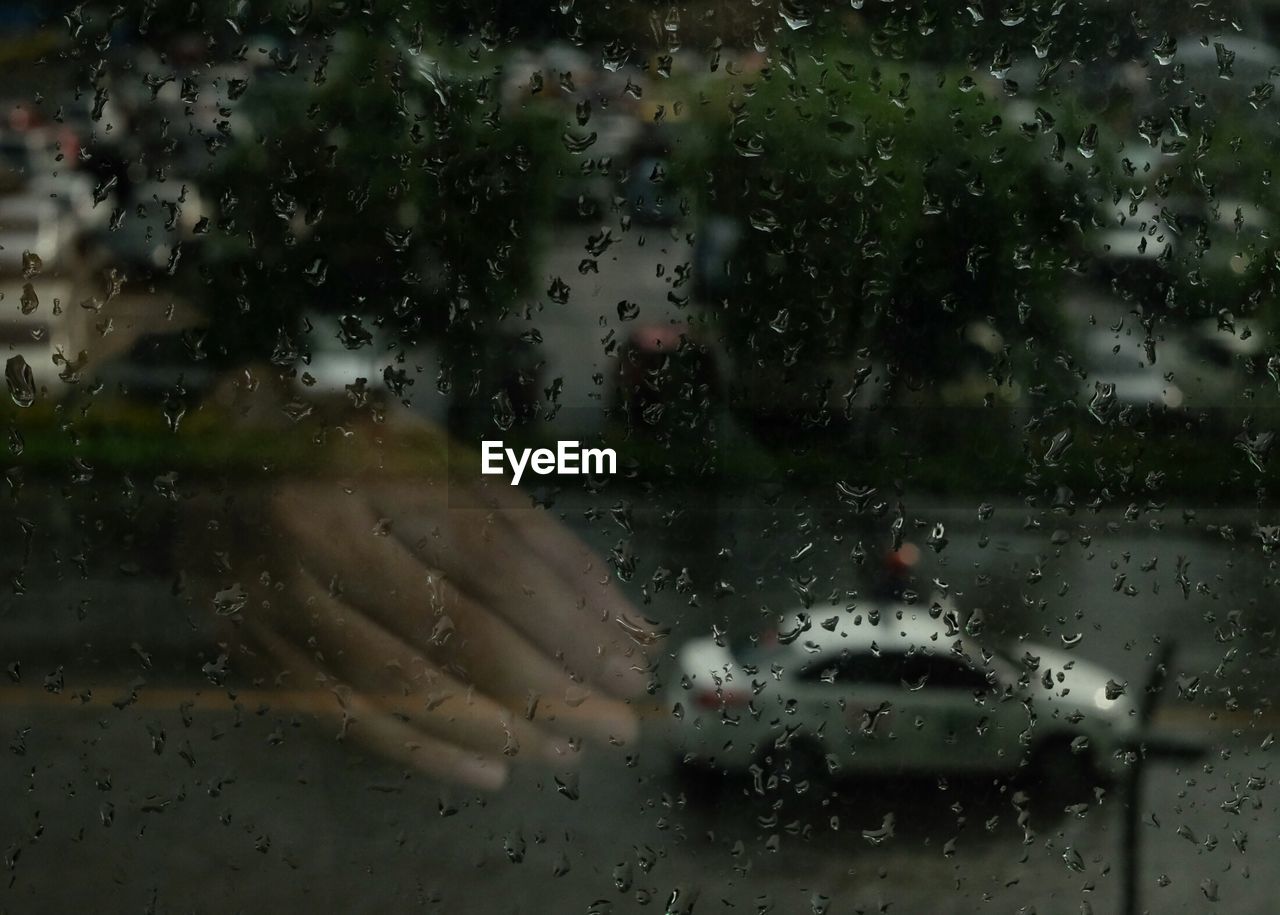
144	788
258	809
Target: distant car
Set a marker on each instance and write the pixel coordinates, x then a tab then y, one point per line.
909	694
40	321
39	325
158	222
31	225
649	193
344	356
43	162
1136	237
1197	366
28	154
73	193
1213	66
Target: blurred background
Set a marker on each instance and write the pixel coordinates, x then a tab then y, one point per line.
992	281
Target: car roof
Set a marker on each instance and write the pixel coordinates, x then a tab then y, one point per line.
898	627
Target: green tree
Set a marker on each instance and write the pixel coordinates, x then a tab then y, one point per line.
881	211
380	186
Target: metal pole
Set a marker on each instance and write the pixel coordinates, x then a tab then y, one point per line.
1133	782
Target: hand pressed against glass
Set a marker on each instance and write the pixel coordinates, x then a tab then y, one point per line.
456	639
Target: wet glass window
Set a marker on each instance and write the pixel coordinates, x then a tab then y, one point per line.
681	457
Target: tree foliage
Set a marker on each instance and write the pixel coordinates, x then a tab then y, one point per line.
881	211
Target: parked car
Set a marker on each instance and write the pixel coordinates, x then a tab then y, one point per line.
157	366
156	224
901	690
344	356
29	153
44	162
1194	366
41	323
31	225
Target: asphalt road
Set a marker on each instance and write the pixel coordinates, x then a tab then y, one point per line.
259	809
146	789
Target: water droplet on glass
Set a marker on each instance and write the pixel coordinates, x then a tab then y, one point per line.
795	16
29	301
504	415
31	264
1058	447
21	382
1088	144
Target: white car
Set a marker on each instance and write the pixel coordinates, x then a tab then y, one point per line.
41	163
158	218
911	693
1195	367
41	325
33	225
340	351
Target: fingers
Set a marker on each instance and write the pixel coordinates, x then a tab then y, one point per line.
547	538
467	643
518	673
391	565
384	733
399	677
527	569
454	682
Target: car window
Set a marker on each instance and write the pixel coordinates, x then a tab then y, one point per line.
939	672
904	670
857	668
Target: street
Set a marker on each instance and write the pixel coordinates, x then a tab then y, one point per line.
131	776
257	809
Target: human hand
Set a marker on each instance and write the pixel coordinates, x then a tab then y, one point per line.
456	639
